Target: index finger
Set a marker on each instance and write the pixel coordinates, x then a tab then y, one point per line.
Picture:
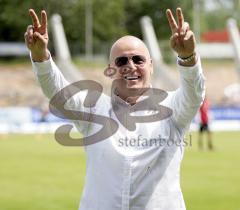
34	17
171	20
180	17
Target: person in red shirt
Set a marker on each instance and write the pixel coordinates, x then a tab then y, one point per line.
204	125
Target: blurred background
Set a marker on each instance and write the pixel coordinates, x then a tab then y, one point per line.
38	173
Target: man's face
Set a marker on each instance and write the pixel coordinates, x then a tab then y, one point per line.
134	67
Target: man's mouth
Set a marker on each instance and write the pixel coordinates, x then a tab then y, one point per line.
132	77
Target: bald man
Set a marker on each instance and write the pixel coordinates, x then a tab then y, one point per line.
137	167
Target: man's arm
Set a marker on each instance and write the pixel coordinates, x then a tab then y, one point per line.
187	99
49	76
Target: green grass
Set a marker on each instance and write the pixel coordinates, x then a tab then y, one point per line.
38	173
211	180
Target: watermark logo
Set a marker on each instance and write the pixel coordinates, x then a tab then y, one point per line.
141	142
109	126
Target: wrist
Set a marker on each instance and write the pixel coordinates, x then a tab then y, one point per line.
190	60
40	57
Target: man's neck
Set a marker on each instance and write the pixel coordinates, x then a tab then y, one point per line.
130	96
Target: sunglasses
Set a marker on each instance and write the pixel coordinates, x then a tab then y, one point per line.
123	60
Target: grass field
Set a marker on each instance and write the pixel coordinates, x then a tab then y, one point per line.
39	174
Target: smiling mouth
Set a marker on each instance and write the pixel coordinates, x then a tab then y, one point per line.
132	77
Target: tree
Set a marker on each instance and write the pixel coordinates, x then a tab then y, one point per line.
108	19
111	19
156	9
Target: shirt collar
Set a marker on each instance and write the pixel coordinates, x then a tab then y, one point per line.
117	100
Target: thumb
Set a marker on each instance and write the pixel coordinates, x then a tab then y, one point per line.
38	36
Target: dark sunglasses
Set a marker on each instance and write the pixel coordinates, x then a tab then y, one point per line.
123	60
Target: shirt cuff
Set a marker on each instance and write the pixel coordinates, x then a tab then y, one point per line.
191	72
41	68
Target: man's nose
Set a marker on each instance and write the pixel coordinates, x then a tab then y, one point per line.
129	67
131	64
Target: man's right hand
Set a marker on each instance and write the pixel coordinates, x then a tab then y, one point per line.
36	37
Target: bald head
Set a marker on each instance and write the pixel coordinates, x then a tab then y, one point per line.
128	44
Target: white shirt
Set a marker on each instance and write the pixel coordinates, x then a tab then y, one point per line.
126	171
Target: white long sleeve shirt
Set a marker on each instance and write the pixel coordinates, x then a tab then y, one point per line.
126	171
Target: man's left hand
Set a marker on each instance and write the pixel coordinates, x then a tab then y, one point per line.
182	40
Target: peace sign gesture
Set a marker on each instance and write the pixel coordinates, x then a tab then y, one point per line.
36	36
182	40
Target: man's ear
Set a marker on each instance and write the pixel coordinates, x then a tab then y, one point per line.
110	71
